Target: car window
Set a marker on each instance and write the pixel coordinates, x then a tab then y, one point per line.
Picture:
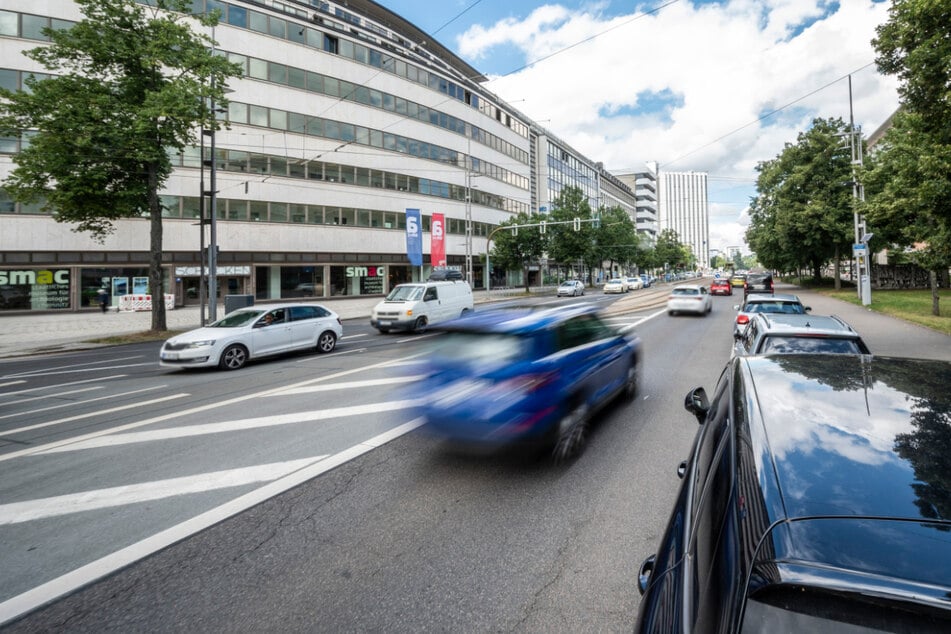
430	294
405	293
685	291
581	330
749	335
305	312
237	319
481	348
787	344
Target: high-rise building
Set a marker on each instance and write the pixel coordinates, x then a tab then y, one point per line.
684	207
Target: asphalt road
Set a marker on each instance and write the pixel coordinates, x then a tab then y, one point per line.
405	536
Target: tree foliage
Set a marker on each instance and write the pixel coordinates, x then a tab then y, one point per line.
616	238
669	252
567	245
130	84
909	186
803	213
519	248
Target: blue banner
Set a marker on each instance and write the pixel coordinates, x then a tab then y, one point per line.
414	237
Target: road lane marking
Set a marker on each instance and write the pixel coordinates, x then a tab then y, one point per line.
84	575
136	405
59	385
259	422
43	371
11	383
362	334
18	512
45	396
73	404
329	387
31	375
183	413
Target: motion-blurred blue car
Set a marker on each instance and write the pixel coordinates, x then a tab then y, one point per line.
520	375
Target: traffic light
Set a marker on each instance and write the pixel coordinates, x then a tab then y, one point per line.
597	221
542	229
577	224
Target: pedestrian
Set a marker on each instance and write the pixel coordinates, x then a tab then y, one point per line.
103	299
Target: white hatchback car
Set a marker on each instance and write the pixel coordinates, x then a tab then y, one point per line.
615	285
689	298
253	332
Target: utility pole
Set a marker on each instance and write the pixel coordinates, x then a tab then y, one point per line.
860	245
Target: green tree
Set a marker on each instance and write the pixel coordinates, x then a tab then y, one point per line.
131	83
668	250
519	248
566	244
616	238
803	213
909	187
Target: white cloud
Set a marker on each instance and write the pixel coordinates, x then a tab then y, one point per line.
718	67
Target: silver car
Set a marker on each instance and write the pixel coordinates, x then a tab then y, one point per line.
570	287
785	304
253	332
689	298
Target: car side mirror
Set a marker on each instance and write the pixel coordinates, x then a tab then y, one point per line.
644	574
697	403
807	308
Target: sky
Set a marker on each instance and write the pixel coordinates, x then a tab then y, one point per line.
703	85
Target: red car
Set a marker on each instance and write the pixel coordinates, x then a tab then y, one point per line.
721	287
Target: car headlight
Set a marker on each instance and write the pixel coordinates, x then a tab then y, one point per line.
200	344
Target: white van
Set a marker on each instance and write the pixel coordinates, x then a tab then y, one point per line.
416	306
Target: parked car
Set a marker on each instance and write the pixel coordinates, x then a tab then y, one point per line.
251	333
815	499
524	376
417	306
689	298
776	303
721	286
615	285
647	279
635	283
570	287
784	334
738	279
758	283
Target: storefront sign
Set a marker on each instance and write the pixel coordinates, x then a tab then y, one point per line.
371	278
34	289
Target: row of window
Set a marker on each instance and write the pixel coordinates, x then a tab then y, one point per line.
244	18
256	68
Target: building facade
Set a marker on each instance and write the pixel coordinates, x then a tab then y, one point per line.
345	116
684	207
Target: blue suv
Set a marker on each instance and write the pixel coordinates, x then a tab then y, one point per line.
519	375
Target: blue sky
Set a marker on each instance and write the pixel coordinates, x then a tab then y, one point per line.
683	83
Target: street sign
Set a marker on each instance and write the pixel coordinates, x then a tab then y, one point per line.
716	275
859	249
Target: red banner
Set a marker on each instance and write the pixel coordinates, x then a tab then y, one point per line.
437	248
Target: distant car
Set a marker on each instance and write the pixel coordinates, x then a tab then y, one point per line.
251	333
615	285
570	288
524	376
721	286
797	334
738	279
815	499
758	283
757	303
635	283
689	298
647	279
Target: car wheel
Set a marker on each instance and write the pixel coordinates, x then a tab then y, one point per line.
420	325
326	342
233	358
465	311
630	385
571	432
671	312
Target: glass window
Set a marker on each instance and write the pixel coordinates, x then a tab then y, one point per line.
348	217
9	79
331	87
8	145
240	60
302	281
258	163
315	214
278	28
332	172
332	129
257	68
363	217
237	16
345	48
7	206
278	119
237	161
237	112
297	213
296	78
332	215
278	212
296	33
257	21
315	127
278	166
33	26
297	168
314	38
258	116
315	82
363	177
277	73
191	207
258	210
8	23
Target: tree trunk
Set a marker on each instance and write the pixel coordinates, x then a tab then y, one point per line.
838	269
935	310
525	277
156	276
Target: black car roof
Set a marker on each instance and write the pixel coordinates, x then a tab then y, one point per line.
855	435
854	475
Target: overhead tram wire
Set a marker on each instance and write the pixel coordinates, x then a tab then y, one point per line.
768	114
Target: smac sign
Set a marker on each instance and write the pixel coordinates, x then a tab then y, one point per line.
366	271
35	277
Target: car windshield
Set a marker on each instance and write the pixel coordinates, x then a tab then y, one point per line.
568	284
788	308
686	291
792	344
237	319
481	348
405	293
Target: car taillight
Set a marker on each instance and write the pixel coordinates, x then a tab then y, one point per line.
742	319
